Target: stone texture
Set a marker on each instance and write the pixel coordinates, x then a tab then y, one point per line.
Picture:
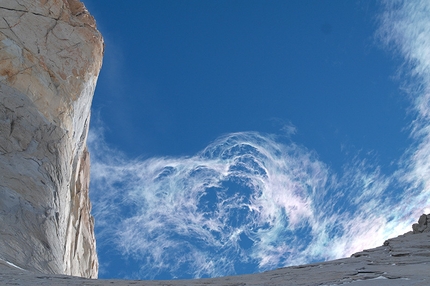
50	57
423	224
404	260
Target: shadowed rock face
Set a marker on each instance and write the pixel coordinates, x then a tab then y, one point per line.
423	224
50	57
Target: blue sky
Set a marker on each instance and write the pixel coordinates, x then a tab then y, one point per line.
234	137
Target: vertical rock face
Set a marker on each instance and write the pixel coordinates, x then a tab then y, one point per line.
50	57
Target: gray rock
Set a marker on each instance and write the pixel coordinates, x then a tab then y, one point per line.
422	225
50	57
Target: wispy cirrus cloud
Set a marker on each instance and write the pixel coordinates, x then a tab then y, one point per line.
246	199
253	200
405	29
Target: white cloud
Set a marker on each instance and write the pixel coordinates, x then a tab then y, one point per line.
406	26
281	197
197	211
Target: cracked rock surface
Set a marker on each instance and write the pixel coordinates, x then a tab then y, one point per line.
404	260
50	57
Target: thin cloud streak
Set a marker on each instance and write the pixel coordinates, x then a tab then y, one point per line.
405	28
244	186
248	198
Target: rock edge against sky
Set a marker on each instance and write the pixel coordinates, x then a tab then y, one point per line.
50	58
51	55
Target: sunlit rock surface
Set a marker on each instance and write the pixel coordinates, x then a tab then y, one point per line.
50	57
404	260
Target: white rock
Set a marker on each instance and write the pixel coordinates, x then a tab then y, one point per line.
50	57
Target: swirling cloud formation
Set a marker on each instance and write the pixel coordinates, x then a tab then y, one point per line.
250	202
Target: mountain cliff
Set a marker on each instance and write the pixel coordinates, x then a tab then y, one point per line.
50	58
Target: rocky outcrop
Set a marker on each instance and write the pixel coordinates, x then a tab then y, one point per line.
50	57
403	260
423	224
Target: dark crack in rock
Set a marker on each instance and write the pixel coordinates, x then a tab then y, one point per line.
50	58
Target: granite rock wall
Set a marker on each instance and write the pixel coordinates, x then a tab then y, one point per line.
50	57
